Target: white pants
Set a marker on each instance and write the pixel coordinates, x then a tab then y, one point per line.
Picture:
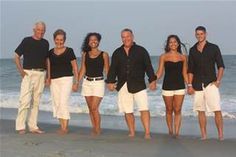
32	86
60	92
207	100
126	100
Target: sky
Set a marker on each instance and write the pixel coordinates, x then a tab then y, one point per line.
151	22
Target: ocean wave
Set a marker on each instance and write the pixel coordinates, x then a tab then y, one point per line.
109	104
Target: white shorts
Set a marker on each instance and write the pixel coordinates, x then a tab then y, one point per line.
207	100
93	88
126	100
173	92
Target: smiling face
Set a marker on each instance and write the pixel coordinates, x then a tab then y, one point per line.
127	38
39	31
200	35
173	44
93	42
59	41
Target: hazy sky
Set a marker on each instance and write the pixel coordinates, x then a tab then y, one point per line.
151	21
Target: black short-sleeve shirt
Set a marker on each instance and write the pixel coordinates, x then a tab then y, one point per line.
34	53
61	64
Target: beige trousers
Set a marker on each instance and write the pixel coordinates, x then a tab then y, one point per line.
60	91
32	86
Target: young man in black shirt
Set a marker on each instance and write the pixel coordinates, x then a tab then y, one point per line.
129	64
204	83
35	64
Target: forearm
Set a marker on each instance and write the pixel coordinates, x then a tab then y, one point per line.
220	74
190	78
81	74
18	65
48	69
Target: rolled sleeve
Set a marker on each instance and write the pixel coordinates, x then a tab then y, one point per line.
190	63
219	58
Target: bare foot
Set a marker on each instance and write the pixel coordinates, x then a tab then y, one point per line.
170	133
147	136
21	132
62	131
203	138
131	135
221	138
176	136
37	131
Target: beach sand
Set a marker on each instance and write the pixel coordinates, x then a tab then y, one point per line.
114	141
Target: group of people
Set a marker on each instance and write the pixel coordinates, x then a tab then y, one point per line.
58	69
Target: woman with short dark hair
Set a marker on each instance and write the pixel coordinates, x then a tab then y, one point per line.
63	67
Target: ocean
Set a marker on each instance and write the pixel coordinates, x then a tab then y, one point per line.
10	88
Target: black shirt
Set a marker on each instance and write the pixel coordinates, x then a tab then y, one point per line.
202	64
34	53
131	68
94	66
61	64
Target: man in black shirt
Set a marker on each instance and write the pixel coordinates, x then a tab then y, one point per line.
204	83
129	64
35	64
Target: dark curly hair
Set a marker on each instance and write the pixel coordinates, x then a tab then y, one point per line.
167	49
85	46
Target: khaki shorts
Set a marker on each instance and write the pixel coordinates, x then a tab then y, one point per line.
126	100
207	100
173	92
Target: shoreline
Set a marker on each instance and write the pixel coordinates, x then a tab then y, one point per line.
114	140
189	127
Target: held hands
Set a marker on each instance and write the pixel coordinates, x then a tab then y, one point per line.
75	87
48	82
190	90
111	86
152	85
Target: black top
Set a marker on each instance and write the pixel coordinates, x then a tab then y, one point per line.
61	64
94	66
173	79
202	64
34	53
131	68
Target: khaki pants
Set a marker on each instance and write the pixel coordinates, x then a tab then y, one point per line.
32	86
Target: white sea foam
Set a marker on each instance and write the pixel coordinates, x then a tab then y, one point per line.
109	104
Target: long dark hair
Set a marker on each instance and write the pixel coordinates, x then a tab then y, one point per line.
167	49
85	46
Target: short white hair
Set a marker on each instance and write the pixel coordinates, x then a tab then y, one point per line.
39	23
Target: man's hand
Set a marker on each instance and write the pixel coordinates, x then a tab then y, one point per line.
111	86
216	83
152	85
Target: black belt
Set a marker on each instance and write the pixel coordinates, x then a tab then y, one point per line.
93	78
36	69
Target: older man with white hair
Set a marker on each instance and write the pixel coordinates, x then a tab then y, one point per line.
34	50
